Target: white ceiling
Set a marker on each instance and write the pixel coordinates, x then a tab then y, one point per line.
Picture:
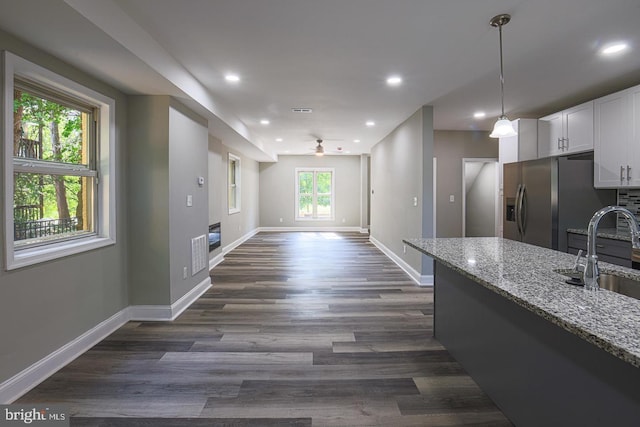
334	55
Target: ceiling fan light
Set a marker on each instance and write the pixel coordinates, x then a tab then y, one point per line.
503	128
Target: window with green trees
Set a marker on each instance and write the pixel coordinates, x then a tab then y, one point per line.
314	194
59	167
54	171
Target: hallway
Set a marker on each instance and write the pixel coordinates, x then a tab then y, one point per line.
299	329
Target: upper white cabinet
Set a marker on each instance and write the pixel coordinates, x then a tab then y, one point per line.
566	132
617	140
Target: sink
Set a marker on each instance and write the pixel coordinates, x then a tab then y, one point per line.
621	285
610	282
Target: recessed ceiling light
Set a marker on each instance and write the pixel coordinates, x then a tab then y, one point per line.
356	140
370	123
232	78
264	122
279	139
479	115
614	48
394	80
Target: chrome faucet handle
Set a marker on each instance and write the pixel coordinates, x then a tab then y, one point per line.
581	262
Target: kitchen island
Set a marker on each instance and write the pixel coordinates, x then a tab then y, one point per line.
547	353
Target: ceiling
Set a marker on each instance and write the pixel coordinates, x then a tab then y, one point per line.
334	57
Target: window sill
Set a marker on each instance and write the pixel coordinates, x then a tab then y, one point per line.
234	211
32	256
314	219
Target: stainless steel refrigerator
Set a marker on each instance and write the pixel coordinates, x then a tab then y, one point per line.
545	197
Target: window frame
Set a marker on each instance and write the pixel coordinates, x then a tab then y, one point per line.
104	206
314	171
234	187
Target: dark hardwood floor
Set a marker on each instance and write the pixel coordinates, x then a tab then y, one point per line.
299	329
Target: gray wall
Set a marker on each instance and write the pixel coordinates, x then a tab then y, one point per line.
401	169
168	151
450	147
480	215
148	157
188	147
277	191
236	225
45	306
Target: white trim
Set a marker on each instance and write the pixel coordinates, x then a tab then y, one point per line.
315	171
317	229
420	280
231	246
215	261
105	227
21	383
364	230
24	381
237	174
169	312
435	198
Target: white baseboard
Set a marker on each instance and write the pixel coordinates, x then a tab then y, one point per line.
314	228
168	312
426	280
215	261
21	383
24	381
364	230
238	242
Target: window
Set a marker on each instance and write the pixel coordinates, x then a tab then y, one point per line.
234	184
314	194
59	176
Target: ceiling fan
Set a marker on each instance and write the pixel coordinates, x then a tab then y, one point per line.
320	151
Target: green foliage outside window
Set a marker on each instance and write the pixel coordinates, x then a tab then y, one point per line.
48	131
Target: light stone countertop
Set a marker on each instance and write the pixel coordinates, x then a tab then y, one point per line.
525	274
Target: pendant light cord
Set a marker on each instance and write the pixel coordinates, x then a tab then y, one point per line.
501	72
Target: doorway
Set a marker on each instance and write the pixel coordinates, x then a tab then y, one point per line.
480	197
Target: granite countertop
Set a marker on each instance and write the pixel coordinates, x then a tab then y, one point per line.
525	274
608	233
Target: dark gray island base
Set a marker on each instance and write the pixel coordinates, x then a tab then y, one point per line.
537	361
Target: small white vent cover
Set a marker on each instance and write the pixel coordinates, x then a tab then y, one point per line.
302	110
199	253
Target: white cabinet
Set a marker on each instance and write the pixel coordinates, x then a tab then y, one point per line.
617	140
566	132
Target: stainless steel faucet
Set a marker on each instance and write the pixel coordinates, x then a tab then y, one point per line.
588	264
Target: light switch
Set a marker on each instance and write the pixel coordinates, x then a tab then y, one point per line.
189	200
452	198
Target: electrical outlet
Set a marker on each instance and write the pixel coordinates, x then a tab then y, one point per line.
344	220
452	198
189	200
281	220
184	272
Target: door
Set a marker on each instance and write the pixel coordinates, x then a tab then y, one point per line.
538	177
511	195
480	198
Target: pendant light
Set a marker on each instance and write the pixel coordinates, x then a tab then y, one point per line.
503	126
